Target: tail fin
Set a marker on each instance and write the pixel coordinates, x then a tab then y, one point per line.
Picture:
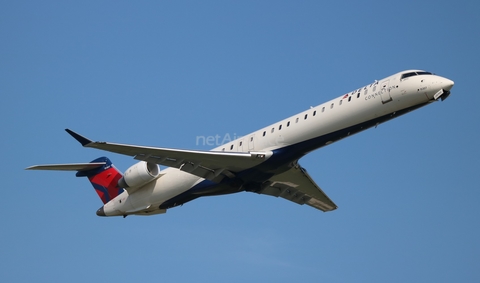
104	179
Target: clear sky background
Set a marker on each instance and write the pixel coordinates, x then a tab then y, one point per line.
161	73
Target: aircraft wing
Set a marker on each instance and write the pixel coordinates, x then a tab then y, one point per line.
211	165
297	186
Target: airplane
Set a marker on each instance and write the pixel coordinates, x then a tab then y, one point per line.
263	162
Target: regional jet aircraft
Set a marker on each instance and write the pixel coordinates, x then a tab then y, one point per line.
263	162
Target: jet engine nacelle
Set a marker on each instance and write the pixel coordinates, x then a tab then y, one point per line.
139	174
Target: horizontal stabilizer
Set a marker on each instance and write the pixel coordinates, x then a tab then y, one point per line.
68	167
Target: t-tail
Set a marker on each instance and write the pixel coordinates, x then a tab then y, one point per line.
101	173
104	179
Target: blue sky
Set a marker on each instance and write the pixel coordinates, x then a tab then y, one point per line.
163	73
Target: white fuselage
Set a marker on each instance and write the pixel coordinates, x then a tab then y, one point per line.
318	126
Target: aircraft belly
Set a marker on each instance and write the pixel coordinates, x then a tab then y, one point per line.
173	183
149	198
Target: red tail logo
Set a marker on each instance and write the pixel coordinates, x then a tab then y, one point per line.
104	179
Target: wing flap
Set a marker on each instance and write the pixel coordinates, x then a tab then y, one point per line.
297	186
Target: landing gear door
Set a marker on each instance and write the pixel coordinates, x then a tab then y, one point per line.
385	91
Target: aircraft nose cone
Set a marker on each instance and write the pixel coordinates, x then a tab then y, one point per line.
448	84
101	212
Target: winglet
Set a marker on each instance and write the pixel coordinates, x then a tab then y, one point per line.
81	139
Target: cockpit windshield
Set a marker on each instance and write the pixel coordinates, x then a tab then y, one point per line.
411	74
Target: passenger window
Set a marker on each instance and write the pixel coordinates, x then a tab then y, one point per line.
296	120
358	95
288	124
305	116
251	139
231	147
240	144
340	103
331	106
323	109
264	132
349	99
314	113
279	127
273	129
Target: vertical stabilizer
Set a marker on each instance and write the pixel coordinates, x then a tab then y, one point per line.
104	179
